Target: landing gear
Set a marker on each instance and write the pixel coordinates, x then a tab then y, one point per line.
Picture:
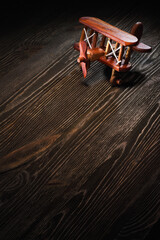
115	78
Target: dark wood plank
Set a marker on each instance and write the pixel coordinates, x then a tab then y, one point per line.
77	161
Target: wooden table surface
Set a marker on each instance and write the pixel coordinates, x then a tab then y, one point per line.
78	161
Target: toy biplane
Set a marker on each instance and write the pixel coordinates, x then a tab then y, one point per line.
114	48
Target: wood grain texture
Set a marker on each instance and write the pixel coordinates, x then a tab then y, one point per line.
78	161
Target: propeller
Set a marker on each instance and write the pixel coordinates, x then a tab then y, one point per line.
83	59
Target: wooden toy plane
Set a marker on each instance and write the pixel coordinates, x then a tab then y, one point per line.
114	48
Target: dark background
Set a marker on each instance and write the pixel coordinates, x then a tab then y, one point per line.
19	12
